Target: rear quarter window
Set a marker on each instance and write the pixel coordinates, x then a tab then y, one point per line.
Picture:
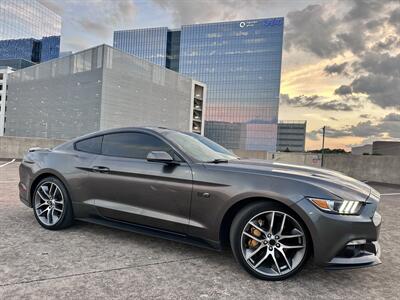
91	145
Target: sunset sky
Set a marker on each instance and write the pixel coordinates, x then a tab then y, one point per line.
341	59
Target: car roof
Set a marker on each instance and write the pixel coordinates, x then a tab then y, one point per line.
124	129
113	130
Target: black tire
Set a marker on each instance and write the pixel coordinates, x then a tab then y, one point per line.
241	221
65	218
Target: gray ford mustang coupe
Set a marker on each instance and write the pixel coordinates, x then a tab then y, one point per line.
184	187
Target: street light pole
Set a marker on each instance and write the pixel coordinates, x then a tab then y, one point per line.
323	146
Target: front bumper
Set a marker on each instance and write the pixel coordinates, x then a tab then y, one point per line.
333	236
23	194
25	175
357	256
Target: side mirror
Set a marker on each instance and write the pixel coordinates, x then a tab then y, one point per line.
159	156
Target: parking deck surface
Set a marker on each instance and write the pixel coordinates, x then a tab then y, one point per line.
89	261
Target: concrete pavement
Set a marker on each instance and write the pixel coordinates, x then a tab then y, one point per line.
89	261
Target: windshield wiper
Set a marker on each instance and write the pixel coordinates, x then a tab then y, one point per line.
218	161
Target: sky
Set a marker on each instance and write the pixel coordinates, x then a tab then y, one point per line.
340	64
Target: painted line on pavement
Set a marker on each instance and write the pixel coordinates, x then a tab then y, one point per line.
10	162
391	194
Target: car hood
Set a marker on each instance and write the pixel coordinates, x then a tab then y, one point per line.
334	182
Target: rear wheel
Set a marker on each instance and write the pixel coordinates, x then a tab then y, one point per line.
51	204
269	241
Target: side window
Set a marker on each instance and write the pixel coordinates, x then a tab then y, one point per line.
133	145
92	145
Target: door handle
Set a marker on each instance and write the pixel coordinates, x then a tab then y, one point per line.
100	169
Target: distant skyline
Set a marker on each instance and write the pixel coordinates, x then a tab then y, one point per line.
341	63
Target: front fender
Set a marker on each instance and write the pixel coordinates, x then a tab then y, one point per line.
227	189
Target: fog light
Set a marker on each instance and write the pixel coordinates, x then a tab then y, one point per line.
377	219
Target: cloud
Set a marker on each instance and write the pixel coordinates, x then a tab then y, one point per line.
364	9
98	28
317	102
190	12
387	44
362	129
343	90
382	90
126	10
365	129
394	19
353	41
365	116
53	5
320	29
389	126
380	64
308	30
380	79
106	16
77	43
313	135
374	25
335	68
392	117
363	29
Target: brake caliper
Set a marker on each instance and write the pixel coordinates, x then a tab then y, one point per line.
256	233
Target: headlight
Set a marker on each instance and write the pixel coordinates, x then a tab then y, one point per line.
345	207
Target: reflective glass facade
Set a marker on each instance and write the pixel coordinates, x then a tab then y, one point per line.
28	30
240	62
148	43
50	48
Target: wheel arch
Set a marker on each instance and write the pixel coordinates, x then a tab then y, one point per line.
41	176
237	206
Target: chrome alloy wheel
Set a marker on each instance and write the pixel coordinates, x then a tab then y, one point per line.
49	203
273	243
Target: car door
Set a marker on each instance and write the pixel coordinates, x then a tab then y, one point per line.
132	189
78	171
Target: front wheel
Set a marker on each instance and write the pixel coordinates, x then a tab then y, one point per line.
269	241
51	204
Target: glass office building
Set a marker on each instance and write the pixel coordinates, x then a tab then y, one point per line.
239	61
28	30
149	43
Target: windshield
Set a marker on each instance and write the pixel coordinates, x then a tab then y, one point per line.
199	147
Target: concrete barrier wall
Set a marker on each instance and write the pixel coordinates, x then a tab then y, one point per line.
16	147
308	159
376	168
254	154
363	167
